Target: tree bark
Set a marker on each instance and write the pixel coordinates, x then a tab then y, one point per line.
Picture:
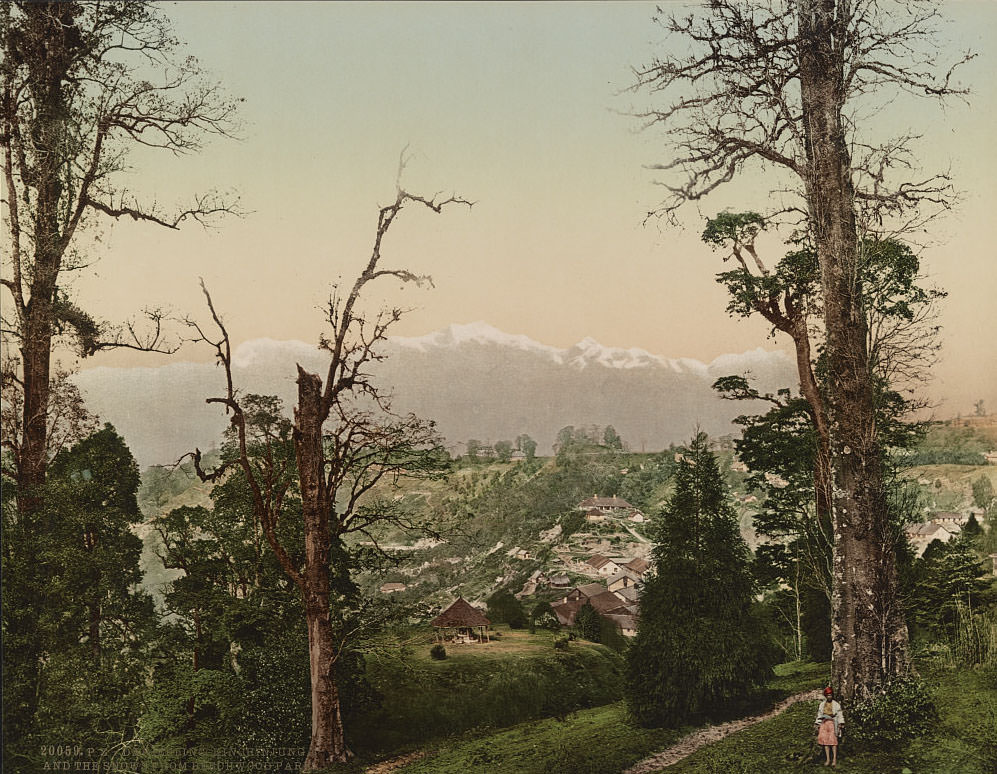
811	393
869	635
328	742
48	133
94	630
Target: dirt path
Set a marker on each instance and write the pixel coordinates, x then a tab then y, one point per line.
384	767
687	745
640	537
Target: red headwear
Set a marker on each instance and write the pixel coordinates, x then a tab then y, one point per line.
828	691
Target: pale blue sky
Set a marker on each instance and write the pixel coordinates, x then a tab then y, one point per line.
517	106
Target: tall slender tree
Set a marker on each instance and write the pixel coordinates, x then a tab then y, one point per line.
771	84
792	441
83	84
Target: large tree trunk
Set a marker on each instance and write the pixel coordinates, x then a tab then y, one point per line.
869	635
328	743
55	23
36	359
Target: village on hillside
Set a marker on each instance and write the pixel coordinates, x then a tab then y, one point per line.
613	586
609	577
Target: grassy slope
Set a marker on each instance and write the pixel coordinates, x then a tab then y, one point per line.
492	685
963	742
595	741
599	741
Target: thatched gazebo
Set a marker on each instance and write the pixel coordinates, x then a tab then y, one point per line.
461	623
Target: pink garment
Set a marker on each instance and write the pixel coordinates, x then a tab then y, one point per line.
826	733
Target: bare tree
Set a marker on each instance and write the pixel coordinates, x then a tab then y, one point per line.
82	84
346	440
782	84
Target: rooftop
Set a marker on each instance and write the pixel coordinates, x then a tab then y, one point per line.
461	613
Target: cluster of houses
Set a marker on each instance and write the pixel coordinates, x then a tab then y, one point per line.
598	508
943	526
617	599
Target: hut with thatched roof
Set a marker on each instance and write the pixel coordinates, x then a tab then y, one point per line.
461	623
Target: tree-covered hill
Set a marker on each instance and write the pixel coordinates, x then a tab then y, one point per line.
482	509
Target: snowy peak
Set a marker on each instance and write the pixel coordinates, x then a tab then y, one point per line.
586	353
589	351
480	332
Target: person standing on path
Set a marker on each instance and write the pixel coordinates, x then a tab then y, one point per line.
829	726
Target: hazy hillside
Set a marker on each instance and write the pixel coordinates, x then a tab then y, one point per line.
485	511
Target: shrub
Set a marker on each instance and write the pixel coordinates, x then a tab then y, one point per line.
904	709
438	652
561	642
975	641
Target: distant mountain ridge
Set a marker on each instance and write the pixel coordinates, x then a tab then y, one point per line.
474	380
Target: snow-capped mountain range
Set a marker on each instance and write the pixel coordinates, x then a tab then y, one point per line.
474	380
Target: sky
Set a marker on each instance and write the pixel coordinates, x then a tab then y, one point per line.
525	109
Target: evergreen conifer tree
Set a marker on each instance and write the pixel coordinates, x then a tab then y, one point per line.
948	575
589	623
698	645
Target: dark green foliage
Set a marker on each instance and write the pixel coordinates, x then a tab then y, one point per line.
699	644
572	522
951	445
589	623
542	616
816	624
503	607
975	641
275	706
611	439
527	446
946	576
71	593
503	450
438	652
920	457
902	711
465	691
779	449
611	636
561	642
642	479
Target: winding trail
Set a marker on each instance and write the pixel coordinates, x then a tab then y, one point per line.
384	767
687	745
